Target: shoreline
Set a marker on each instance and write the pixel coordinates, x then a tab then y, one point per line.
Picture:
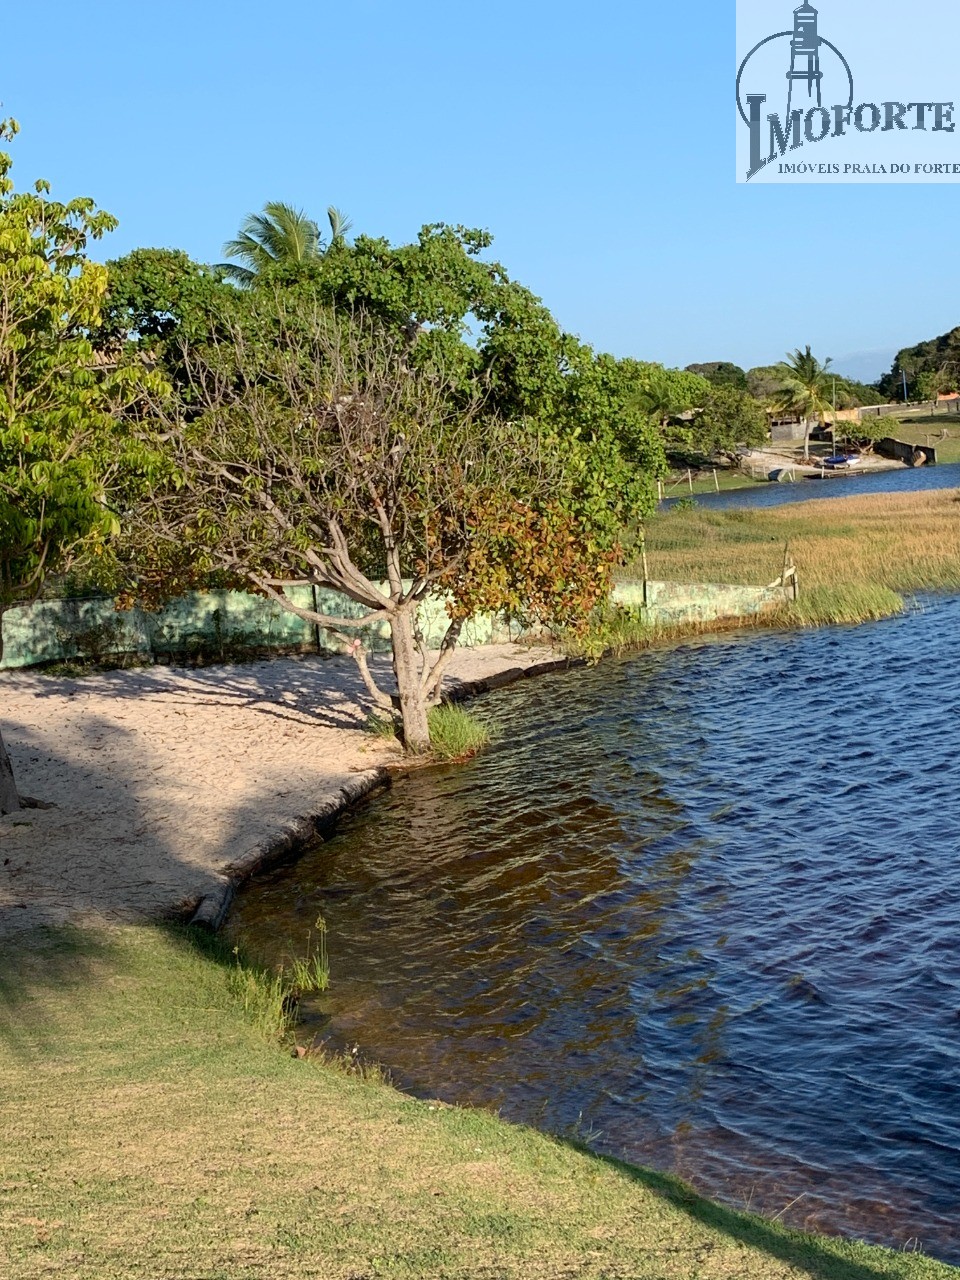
285	840
171	786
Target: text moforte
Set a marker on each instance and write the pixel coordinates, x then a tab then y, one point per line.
834	122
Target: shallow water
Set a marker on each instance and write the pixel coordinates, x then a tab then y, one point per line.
905	480
698	906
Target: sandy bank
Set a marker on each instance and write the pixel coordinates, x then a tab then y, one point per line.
165	780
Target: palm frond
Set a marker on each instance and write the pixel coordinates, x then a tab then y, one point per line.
281	233
340	224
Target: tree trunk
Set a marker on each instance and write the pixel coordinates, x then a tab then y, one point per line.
9	796
406	667
806	438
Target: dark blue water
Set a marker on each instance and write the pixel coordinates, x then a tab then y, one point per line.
700	906
905	480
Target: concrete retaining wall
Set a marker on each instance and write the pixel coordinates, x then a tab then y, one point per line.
219	622
669	603
211	623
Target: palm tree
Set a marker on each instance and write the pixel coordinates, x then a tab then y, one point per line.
280	234
805	390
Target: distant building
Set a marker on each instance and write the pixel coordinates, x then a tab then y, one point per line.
787	430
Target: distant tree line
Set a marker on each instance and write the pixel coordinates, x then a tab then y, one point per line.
930	369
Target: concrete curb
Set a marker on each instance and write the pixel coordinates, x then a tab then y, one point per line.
511	675
297	832
293	835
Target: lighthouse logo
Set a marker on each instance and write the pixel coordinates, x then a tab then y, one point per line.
796	89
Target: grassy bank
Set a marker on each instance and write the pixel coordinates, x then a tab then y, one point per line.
856	556
151	1128
677	483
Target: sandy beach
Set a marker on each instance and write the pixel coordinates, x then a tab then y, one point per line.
165	781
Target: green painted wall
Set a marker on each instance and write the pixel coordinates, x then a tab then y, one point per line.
61	630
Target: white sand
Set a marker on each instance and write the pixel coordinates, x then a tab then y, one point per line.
163	777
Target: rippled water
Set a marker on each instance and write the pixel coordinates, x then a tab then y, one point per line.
906	480
699	906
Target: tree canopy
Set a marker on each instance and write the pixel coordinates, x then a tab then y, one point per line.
60	442
722	373
279	236
938	356
312	447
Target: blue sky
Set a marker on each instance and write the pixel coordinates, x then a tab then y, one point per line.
595	141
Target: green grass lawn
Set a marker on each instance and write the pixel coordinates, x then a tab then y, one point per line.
152	1128
926	429
677	484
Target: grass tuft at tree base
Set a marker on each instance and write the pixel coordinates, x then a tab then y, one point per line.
456	734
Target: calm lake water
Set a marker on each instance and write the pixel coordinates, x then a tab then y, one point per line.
699	906
906	480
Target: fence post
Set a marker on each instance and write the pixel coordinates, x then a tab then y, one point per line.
316	625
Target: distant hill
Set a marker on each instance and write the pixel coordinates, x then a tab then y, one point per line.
865	367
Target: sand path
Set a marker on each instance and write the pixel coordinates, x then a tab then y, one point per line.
164	778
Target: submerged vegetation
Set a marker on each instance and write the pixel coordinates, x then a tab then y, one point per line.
211	1150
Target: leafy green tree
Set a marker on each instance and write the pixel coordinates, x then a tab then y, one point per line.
280	235
668	394
724	420
937	355
60	441
721	373
765	382
158	299
929	384
805	390
312	447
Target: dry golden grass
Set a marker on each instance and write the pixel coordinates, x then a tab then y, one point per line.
149	1129
856	556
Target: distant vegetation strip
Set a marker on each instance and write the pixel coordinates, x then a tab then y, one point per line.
856	557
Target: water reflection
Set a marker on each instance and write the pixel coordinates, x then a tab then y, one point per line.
697	905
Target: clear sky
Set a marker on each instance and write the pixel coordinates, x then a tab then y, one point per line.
594	140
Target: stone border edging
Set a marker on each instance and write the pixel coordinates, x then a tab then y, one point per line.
472	688
213	907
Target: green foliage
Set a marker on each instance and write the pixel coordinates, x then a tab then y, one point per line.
765	382
669	393
62	439
455	734
158	299
806	387
615	629
725	419
381	726
939	356
932	383
852	394
721	373
310	974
